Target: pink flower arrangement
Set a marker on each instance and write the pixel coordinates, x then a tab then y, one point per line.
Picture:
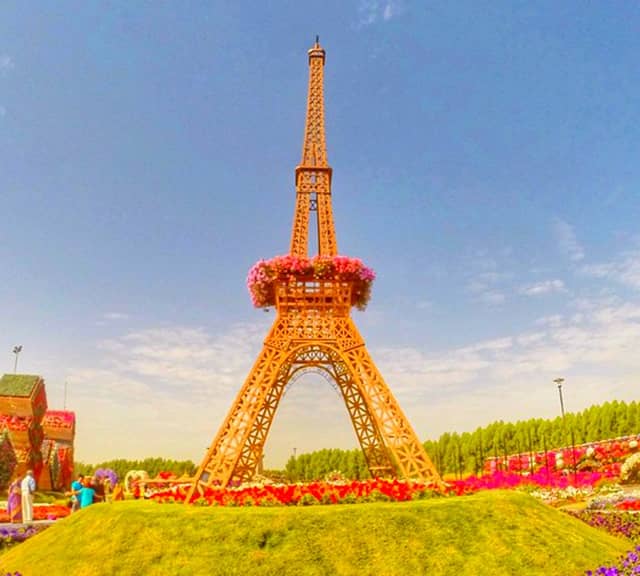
59	419
265	274
605	456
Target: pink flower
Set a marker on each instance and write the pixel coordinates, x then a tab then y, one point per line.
265	274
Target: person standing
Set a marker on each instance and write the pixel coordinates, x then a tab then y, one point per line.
108	489
87	494
118	492
76	487
28	487
14	501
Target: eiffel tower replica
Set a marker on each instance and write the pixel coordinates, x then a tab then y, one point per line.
313	331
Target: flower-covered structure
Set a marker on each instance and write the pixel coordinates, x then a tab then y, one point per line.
265	275
605	456
60	425
42	440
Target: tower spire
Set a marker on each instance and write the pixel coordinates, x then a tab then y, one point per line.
313	174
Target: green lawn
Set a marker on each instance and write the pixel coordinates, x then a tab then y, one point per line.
491	533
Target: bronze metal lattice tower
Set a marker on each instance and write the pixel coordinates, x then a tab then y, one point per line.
313	174
313	330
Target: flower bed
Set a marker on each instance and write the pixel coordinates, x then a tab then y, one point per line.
552	488
554	482
265	274
618	523
14	534
617	499
301	494
606	456
627	566
41	512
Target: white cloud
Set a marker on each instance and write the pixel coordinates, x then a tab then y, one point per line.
391	9
160	391
625	270
551	320
492	297
372	11
6	64
541	288
483	287
567	241
115	316
511	378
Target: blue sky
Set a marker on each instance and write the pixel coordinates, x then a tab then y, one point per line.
485	160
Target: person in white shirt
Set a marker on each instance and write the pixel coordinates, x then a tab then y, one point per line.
28	487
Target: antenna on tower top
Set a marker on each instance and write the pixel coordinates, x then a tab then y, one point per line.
317	39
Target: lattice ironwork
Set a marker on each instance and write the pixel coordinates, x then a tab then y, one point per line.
313	330
313	174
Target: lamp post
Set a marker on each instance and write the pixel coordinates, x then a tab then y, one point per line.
16	351
559	382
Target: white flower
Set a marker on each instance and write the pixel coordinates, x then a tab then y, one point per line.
630	467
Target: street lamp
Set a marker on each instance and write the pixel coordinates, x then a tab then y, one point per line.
558	382
16	351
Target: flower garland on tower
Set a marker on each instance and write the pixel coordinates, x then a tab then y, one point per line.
265	274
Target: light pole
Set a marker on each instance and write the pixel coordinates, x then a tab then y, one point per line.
559	382
16	351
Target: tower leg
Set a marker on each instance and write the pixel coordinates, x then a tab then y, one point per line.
228	447
397	434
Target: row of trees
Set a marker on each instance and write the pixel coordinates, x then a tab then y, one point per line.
152	466
316	465
455	453
452	453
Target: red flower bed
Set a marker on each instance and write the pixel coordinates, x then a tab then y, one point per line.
633	505
300	494
45	512
369	490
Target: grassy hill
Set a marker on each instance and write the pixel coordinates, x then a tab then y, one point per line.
490	533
